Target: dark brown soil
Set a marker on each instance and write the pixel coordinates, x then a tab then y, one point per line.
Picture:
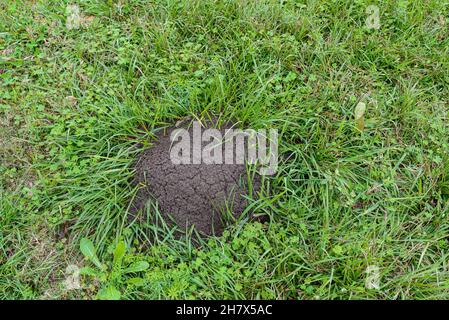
192	194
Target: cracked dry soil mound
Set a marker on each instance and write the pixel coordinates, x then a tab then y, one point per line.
192	194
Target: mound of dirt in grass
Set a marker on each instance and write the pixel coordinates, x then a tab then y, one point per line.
191	194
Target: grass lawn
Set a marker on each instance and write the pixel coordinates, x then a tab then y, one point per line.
357	211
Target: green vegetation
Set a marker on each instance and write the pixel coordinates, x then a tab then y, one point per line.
356	187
